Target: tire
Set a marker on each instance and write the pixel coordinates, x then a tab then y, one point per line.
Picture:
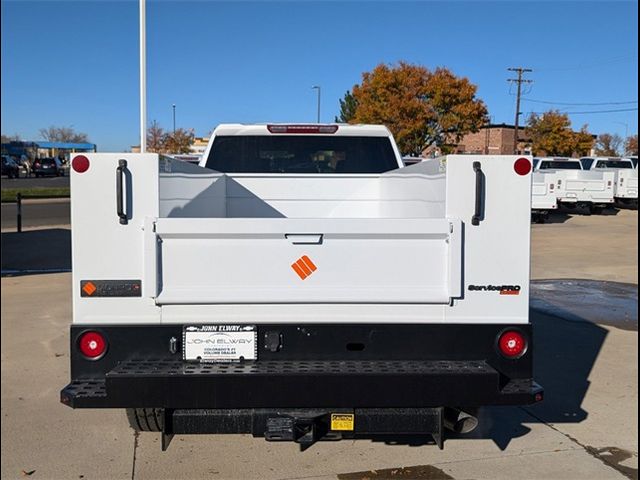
146	419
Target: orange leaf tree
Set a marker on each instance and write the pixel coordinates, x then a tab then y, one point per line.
551	134
420	107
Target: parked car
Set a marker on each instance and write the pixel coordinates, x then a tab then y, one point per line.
25	165
9	167
48	166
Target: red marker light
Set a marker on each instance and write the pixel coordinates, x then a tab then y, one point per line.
302	129
80	164
92	345
522	166
512	344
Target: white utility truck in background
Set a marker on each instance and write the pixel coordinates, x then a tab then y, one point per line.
543	195
300	284
625	180
577	188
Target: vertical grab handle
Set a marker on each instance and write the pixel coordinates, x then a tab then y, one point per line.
122	166
477	216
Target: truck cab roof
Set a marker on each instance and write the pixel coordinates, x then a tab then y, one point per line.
335	129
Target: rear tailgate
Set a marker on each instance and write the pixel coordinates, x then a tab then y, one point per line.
281	260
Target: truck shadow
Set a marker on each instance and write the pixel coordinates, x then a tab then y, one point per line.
36	251
565	352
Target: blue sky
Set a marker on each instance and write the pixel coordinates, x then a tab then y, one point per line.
76	63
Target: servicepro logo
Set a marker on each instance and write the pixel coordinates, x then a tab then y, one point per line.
502	289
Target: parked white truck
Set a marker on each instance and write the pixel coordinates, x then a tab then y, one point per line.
543	195
577	188
625	176
300	284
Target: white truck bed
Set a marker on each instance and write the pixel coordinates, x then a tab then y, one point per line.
205	243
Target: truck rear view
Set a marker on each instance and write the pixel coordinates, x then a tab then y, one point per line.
301	285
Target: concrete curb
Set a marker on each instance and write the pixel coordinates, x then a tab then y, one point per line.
40	201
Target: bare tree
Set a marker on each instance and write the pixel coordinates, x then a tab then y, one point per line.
156	138
63	134
608	145
10	138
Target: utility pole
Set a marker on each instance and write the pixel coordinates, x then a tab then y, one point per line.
520	71
174	118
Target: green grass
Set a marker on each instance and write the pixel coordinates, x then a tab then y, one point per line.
9	194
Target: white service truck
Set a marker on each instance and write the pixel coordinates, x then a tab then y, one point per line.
625	176
577	188
301	284
543	195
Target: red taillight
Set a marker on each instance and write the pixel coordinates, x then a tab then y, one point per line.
36	165
522	166
512	344
302	128
92	345
80	164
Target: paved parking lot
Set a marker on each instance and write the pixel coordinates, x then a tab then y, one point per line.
585	429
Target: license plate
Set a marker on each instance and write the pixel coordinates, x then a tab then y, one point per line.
220	343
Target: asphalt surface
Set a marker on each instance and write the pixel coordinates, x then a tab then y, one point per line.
30	182
587	427
36	213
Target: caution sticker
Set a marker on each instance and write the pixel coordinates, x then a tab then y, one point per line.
342	421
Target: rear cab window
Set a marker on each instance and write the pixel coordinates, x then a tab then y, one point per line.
312	154
614	164
559	165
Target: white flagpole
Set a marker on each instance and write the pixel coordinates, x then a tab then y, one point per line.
143	79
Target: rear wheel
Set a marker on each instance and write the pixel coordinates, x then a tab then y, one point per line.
146	419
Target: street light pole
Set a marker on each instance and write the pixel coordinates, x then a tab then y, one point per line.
174	118
317	87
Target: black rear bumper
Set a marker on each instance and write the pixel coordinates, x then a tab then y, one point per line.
315	366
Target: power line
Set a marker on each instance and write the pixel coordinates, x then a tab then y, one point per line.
518	81
588	65
594	111
579	104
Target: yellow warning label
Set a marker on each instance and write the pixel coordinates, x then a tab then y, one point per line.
342	421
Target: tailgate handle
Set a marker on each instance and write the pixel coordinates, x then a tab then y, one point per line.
120	172
304	238
478	215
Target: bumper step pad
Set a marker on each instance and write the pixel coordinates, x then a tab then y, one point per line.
298	384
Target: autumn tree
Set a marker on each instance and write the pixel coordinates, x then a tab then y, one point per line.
160	141
608	145
420	107
63	134
583	142
551	134
179	141
348	105
631	145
